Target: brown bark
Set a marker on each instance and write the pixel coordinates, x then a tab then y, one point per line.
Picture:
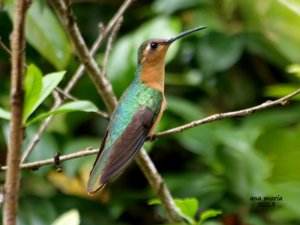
16	129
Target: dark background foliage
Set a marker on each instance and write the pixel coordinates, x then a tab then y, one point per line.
247	55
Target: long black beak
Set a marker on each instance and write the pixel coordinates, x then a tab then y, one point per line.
169	41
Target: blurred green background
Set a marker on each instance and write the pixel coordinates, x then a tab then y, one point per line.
249	53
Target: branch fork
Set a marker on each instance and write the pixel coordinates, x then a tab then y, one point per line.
103	85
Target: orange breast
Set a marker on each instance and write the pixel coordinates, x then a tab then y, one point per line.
163	106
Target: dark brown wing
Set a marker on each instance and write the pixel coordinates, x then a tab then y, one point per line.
93	177
128	144
112	161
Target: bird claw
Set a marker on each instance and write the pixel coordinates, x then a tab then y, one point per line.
151	138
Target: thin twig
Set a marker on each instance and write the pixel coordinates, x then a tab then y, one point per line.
101	83
145	162
71	97
75	78
38	135
103	34
38	164
4	47
157	183
79	72
12	179
157	180
104	88
2	190
110	41
65	95
70	85
221	116
209	119
116	17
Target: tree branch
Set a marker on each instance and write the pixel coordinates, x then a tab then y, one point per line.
42	129
221	116
209	119
38	164
113	22
70	85
147	165
101	83
4	47
71	97
12	180
109	45
75	78
156	181
143	159
105	90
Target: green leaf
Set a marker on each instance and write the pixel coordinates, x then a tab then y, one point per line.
5	114
154	201
33	88
83	106
287	19
68	218
218	52
188	208
209	214
294	69
280	90
50	81
293	5
45	34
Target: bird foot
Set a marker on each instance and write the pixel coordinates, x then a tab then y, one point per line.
151	138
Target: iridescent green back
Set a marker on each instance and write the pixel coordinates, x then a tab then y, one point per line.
136	96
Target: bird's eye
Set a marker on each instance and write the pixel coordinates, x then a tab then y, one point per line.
153	45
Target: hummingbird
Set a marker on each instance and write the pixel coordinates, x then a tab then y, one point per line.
137	114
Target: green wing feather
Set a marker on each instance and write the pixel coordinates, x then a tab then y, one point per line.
128	129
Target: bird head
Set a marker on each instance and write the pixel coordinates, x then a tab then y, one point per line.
151	59
154	50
